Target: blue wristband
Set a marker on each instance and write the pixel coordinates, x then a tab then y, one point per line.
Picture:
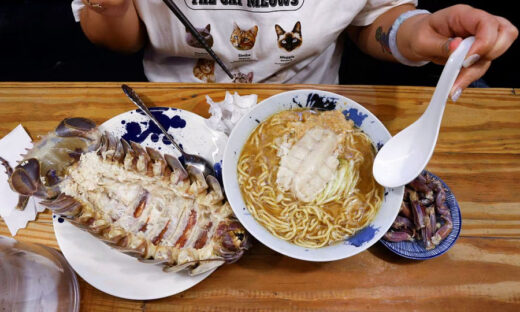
392	38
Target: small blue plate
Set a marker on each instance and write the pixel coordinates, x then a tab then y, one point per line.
415	250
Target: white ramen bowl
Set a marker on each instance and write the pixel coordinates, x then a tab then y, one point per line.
364	119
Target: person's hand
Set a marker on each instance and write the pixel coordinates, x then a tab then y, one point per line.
108	7
434	36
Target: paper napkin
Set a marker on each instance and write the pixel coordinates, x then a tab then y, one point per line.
226	114
12	146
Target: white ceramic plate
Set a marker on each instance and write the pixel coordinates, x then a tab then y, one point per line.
325	100
110	270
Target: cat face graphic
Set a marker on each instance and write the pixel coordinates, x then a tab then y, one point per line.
243	39
243	78
289	40
206	66
204	70
204	32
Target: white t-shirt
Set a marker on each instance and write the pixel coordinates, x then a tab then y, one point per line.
268	41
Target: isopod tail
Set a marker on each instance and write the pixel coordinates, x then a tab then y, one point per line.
234	241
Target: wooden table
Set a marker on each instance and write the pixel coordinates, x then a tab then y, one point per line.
477	155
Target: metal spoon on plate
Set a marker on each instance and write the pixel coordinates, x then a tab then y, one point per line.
406	154
189	159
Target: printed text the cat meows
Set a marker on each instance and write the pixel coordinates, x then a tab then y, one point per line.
249	3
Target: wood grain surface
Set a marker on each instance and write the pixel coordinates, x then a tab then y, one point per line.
477	155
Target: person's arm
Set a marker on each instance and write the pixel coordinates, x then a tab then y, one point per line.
373	39
433	37
113	24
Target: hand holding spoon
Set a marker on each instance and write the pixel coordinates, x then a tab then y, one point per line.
406	154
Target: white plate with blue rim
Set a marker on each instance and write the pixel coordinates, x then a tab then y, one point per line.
110	270
317	99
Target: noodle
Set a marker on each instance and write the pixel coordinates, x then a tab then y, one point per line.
347	203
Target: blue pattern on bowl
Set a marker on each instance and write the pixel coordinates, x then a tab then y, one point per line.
356	116
362	236
315	100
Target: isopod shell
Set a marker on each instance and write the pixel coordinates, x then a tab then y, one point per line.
135	199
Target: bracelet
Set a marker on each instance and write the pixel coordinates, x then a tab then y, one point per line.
392	38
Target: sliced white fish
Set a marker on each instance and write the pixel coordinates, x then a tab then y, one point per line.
310	164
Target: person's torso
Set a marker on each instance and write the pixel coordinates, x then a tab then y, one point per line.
258	40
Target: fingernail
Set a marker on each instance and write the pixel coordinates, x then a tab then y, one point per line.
472	59
447	45
455	96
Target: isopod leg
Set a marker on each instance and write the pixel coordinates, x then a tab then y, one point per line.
405	210
427	231
420	184
402	222
418	214
7	166
444	231
397	236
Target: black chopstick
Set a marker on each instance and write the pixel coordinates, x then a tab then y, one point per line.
175	9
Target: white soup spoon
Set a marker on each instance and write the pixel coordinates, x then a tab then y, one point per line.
406	154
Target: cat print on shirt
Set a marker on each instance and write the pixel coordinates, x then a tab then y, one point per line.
289	41
243	39
205	33
243	78
204	70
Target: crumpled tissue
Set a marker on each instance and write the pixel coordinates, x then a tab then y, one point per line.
226	114
12	146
